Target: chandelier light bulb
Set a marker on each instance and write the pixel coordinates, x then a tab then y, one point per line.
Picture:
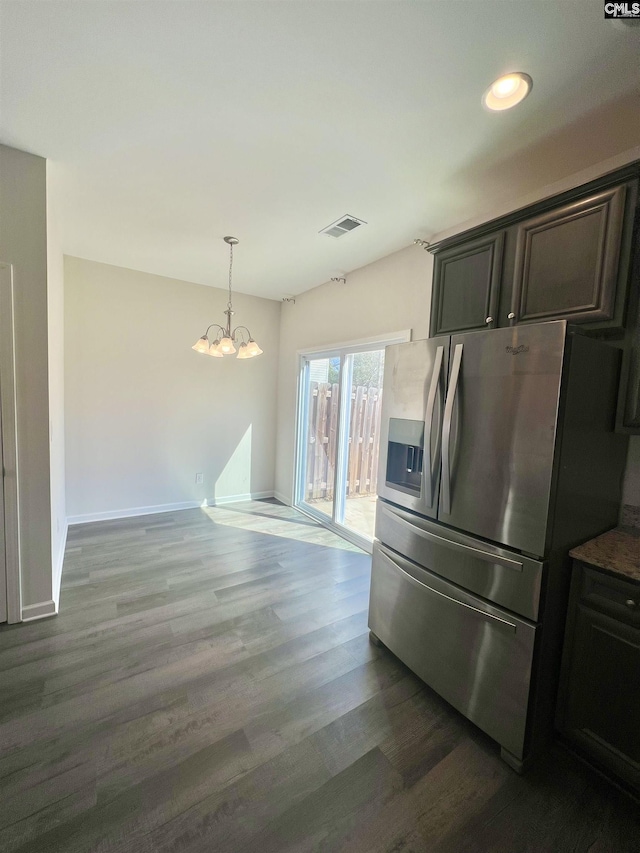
214	350
202	344
243	351
253	348
226	346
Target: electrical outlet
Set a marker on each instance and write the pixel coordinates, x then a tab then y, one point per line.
199	479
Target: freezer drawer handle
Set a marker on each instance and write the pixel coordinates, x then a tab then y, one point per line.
489	616
446	429
428	468
458	546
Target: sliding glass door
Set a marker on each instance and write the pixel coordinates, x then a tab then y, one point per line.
356	507
320	403
339	405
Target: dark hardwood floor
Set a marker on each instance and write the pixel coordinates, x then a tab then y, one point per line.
209	686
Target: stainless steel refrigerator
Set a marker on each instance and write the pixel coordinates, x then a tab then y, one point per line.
498	454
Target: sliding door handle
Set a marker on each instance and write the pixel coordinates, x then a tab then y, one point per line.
446	429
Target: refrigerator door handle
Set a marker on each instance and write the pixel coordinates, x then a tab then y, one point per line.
476	610
465	550
429	464
446	429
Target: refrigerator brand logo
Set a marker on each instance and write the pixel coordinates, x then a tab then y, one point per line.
517	350
622	10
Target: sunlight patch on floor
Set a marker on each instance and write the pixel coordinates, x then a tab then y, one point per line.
276	520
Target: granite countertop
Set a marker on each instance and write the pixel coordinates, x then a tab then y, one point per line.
617	551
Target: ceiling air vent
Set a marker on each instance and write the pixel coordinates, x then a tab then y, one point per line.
342	226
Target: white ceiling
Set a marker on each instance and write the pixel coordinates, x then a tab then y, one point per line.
171	124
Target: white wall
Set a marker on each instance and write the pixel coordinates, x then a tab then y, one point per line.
55	310
389	295
144	412
23	243
512	202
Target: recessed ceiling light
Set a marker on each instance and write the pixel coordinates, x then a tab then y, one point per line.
507	91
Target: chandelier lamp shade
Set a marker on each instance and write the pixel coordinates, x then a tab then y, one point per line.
228	341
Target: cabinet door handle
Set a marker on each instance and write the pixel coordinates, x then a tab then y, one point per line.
511	316
631	604
489	320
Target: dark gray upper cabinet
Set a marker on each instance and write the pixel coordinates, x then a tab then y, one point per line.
565	257
628	416
466	285
574	256
567	261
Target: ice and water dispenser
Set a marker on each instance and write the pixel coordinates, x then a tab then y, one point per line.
404	455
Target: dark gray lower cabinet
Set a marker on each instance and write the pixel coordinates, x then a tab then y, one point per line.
599	699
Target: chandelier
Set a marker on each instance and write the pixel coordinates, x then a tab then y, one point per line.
226	338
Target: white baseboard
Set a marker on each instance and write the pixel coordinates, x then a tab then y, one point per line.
131	512
44	609
152	510
41	610
234	499
282	498
57	565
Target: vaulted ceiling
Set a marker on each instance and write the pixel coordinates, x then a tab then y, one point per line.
170	124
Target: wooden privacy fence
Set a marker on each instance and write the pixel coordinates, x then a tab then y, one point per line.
322	436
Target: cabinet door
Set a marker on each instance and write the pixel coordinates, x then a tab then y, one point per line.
628	418
629	399
466	282
603	692
567	261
